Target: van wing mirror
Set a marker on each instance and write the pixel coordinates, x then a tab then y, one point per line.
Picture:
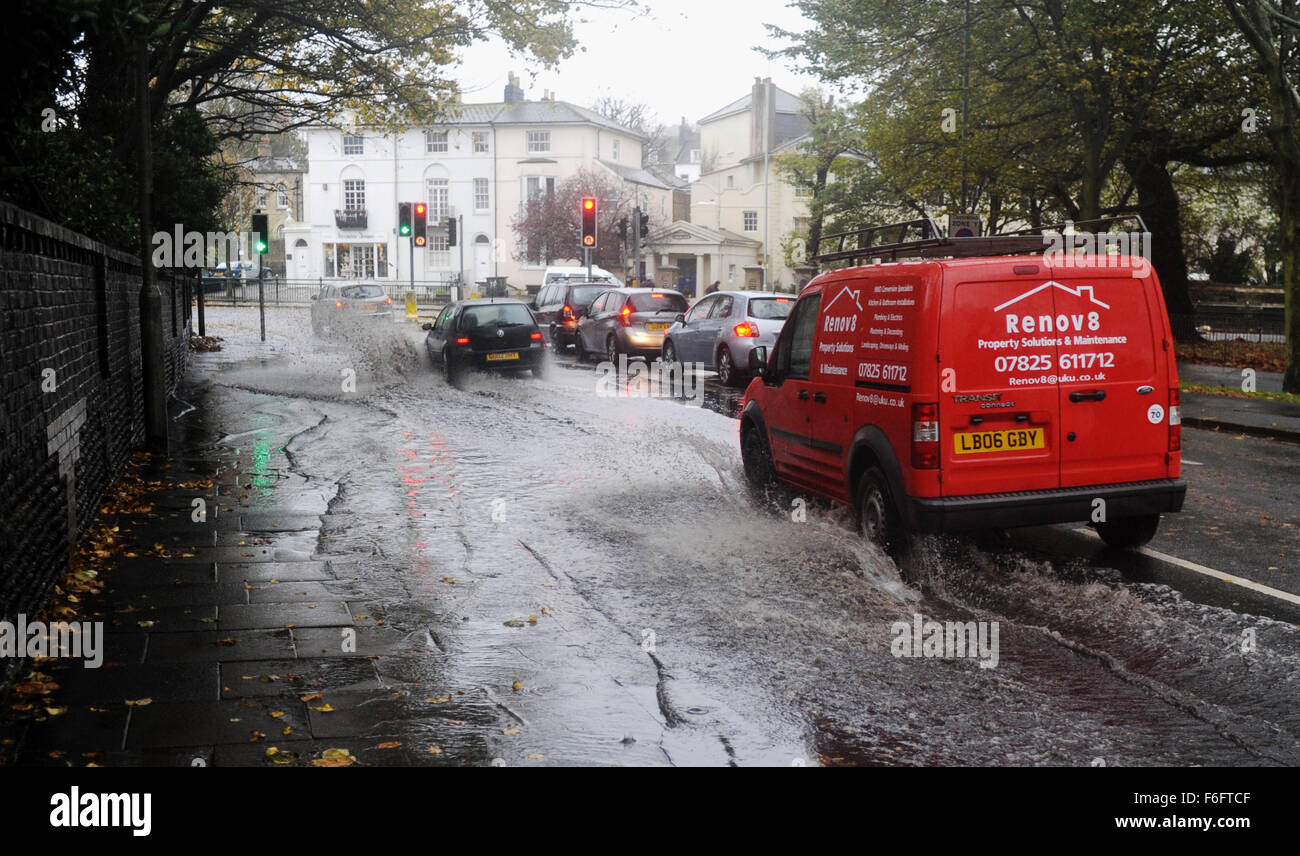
758	361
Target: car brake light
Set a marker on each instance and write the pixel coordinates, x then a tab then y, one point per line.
389	301
463	340
1175	420
625	317
535	336
925	436
567	313
746	330
338	304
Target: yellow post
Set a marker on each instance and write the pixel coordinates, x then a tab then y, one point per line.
411	311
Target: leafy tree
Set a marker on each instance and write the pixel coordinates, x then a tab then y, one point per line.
1271	28
549	228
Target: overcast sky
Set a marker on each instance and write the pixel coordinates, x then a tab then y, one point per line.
680	57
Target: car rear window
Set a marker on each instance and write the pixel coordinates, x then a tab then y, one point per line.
659	301
584	295
770	307
499	313
355	291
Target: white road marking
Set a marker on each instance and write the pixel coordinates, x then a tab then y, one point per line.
1193	463
1251	585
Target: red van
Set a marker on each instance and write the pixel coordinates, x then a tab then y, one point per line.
964	393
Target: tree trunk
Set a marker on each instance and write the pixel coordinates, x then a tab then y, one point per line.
1159	206
1289	173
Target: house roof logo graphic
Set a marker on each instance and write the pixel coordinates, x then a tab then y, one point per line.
853	292
1081	291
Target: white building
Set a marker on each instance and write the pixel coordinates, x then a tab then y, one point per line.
740	192
478	164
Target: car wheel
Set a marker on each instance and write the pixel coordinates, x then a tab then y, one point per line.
451	371
541	369
579	349
611	349
670	352
727	372
1128	533
756	456
878	519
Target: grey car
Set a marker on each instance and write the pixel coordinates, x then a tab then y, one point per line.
722	328
338	307
628	321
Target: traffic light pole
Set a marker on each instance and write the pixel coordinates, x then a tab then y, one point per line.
261	295
411	247
460	239
636	247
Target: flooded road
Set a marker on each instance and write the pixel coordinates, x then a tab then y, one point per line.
596	571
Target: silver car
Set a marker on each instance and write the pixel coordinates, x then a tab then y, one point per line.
338	307
721	329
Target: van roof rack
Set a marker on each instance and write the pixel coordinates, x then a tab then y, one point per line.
930	241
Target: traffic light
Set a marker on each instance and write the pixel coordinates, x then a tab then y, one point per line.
589	223
421	224
404	219
622	232
260	233
451	231
645	225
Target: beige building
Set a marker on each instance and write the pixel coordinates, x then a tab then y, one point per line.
740	193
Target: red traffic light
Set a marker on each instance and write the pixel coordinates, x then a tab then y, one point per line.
589	222
421	223
421	208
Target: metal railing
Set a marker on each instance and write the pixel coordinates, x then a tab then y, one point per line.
280	291
1230	324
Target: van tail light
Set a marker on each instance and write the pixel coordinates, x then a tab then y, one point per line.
567	313
925	436
625	317
463	340
746	330
1175	420
535	336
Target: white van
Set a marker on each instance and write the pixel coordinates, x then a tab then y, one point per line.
579	274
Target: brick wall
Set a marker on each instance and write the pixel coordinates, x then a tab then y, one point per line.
71	397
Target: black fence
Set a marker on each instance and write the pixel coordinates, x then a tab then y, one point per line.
1260	324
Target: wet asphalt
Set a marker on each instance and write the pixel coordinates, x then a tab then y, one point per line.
537	572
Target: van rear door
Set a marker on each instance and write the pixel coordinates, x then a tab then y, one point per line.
998	402
1113	376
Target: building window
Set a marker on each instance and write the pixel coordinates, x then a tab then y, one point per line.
354	194
356	261
731	181
260	197
435	141
439	249
731	273
535	185
439	200
480	142
481	199
539	141
616	150
751	221
695	155
282	195
353	145
803	190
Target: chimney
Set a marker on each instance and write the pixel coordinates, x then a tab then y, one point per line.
264	148
762	121
514	93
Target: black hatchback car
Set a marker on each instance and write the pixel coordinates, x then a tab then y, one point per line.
497	334
560	305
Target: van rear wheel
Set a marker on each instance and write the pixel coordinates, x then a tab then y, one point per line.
878	519
1128	533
